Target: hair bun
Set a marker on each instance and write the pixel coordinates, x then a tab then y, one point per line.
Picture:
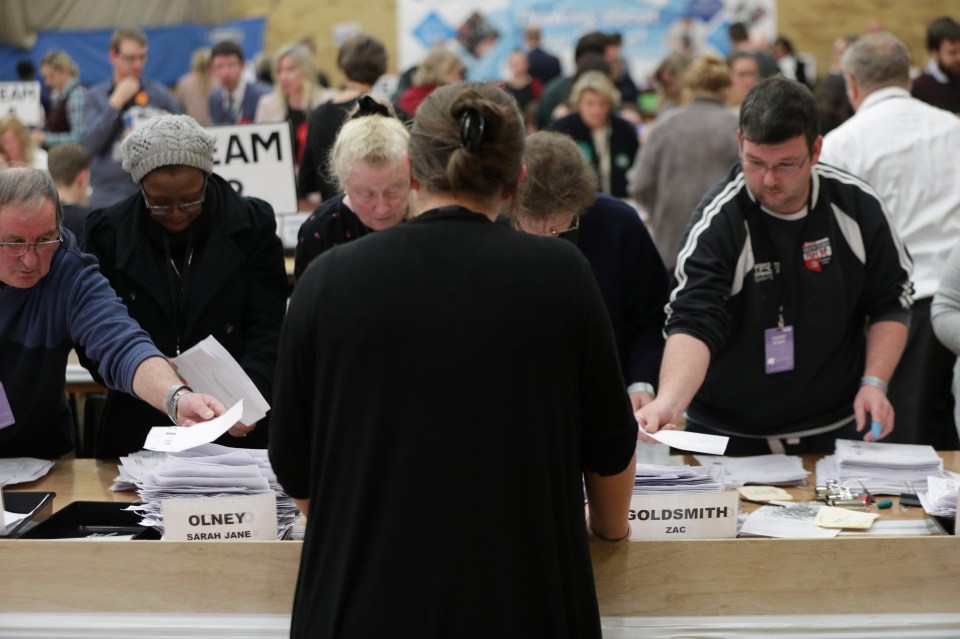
367	105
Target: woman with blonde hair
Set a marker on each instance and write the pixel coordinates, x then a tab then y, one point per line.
64	123
367	161
442	368
607	141
688	150
440	67
296	94
17	144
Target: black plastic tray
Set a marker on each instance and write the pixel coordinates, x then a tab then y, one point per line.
37	506
83	519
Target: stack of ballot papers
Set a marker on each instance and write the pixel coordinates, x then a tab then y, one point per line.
941	496
209	470
652	479
883	469
767	470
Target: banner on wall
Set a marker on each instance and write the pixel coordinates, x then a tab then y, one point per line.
484	33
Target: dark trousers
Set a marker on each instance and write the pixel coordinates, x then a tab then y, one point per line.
920	390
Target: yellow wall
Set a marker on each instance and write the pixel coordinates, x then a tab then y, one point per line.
812	25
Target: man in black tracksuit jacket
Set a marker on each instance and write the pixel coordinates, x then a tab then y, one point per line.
791	296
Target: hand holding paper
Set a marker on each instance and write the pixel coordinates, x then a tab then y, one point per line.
178	438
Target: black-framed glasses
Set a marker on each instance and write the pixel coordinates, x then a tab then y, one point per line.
19	249
166	209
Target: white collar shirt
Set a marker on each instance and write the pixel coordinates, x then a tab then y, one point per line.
907	151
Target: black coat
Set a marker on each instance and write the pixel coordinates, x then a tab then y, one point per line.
623	147
237	293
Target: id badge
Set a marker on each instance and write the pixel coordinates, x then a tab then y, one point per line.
778	349
6	413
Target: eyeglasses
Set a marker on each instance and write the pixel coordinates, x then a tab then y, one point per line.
19	249
783	168
545	230
166	209
130	58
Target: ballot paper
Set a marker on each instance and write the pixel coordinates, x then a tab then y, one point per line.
833	517
771	470
209	470
795	521
209	368
941	496
692	442
882	468
653	479
20	470
180	438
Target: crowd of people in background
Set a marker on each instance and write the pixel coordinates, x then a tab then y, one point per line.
757	247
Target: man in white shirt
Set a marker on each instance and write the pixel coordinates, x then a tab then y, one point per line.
235	100
907	150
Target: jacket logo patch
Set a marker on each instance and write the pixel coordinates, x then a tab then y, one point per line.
817	254
765	271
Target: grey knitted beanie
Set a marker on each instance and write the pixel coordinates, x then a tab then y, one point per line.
167	140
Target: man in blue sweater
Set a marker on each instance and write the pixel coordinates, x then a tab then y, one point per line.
53	297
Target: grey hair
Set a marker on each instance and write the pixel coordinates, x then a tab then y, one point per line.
29	188
877	60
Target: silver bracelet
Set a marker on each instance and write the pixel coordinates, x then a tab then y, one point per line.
641	387
173	400
870	380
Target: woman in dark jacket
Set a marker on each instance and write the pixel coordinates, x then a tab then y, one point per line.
608	142
190	258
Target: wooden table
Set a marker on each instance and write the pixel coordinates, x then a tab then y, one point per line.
639	579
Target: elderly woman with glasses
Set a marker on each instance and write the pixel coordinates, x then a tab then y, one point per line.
190	258
558	198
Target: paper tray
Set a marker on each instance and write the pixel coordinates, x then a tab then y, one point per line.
947	525
92	519
37	506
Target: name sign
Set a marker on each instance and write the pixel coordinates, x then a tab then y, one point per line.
257	159
684	516
22	99
243	518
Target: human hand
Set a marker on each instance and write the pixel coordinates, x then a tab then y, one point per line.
640	399
242	430
126	88
198	407
654	416
872	401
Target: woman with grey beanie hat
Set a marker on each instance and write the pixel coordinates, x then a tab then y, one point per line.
190	258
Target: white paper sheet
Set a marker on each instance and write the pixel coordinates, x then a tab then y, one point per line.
178	438
693	442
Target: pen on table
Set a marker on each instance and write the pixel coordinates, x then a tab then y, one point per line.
866	492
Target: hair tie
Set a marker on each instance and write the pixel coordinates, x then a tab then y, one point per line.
366	105
472	126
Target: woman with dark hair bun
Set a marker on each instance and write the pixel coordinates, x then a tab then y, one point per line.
447	388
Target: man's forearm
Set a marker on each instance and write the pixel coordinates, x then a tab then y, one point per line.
153	379
684	367
885	343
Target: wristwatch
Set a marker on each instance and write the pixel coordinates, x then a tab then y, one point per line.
173	398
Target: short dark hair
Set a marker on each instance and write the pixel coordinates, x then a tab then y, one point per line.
226	48
127	33
940	29
26	70
737	32
776	110
467	137
362	58
541	194
593	42
65	161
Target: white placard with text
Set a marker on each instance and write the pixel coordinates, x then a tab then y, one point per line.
242	518
257	159
23	100
684	516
